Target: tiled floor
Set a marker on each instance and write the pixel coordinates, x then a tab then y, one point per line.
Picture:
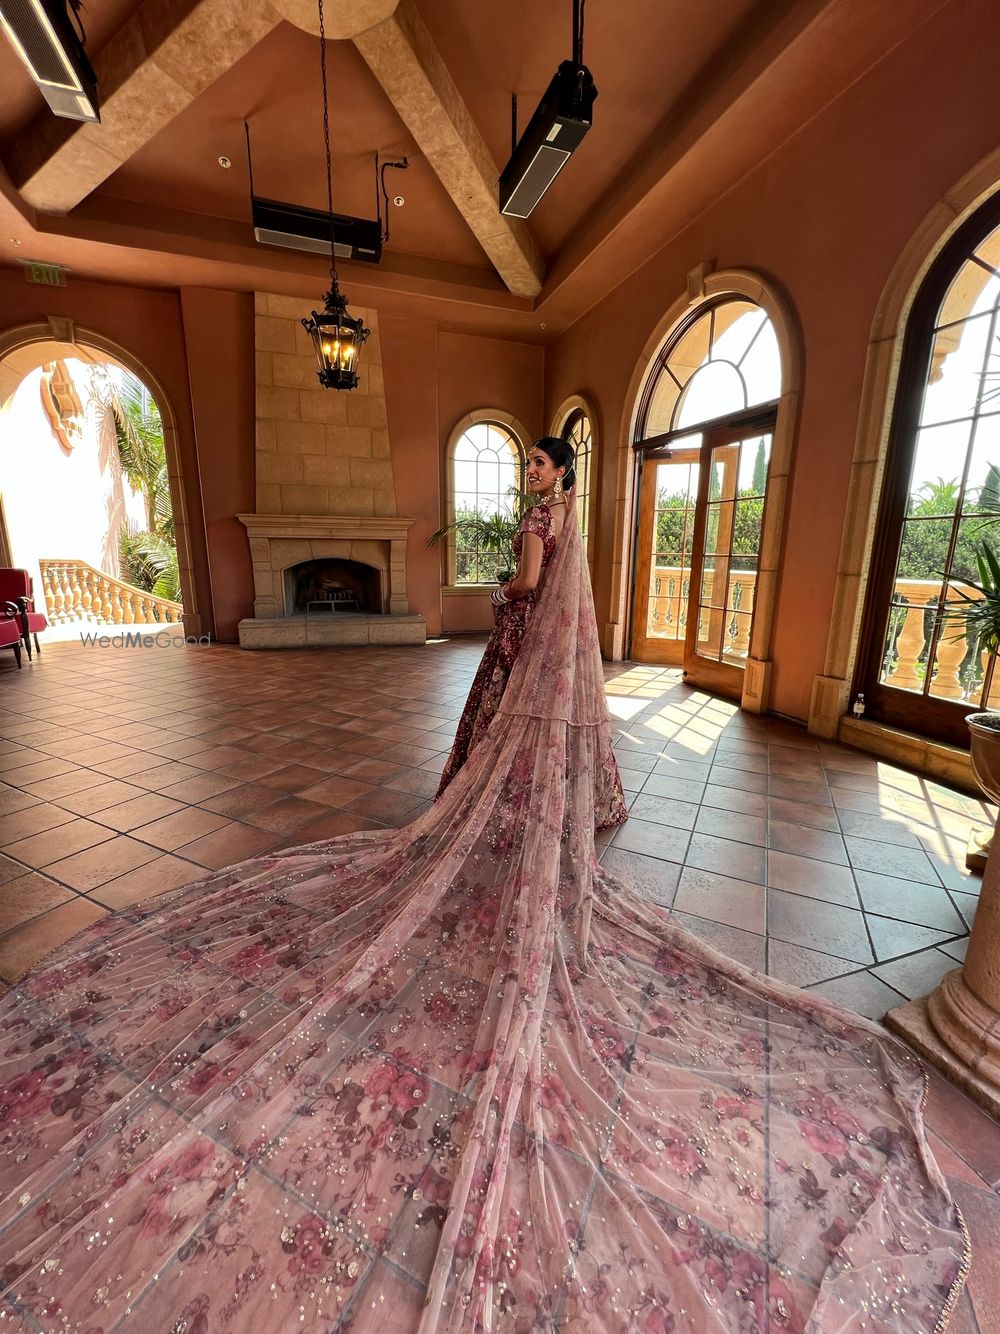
125	772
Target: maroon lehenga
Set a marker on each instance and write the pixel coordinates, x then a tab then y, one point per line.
499	656
455	1077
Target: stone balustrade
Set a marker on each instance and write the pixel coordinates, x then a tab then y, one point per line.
668	604
75	591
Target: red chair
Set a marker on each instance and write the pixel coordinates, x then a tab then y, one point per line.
10	630
15	587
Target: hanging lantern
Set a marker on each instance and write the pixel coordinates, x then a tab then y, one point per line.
338	340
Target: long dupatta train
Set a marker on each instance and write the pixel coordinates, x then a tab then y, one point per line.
455	1077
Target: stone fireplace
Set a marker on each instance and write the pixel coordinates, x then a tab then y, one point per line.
369	558
328	548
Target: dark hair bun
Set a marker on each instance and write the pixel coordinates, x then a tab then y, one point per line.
562	455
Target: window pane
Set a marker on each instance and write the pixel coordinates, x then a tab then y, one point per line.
958	355
938	465
485	475
923	552
715	390
726	361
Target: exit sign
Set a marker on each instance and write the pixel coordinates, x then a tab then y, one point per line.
49	275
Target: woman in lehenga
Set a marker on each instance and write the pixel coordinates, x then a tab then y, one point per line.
550	475
455	1077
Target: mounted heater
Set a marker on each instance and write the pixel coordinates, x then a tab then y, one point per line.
296	228
43	35
561	119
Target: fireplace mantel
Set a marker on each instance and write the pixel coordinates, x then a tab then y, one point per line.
279	541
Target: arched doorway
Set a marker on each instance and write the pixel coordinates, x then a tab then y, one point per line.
70	412
702	441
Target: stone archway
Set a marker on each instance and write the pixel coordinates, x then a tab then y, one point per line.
26	347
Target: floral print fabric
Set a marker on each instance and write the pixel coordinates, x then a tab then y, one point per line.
455	1077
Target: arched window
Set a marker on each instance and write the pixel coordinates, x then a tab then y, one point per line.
486	471
918	666
578	431
702	442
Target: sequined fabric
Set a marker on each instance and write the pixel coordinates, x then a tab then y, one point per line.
454	1077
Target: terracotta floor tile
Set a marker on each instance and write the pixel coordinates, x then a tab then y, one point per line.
159	776
173	831
12	799
200	788
286	814
233	843
888	859
805	841
60	841
708	852
966	905
418	782
94	866
292	778
19	758
801	967
860	992
27	896
826	927
801	813
73	779
971	1132
250	766
652	840
916	974
732	824
815	879
31	820
673	789
892	938
240	800
147	881
336	791
10	870
178	748
653	879
879	828
661	810
24	946
386	805
370	770
719	898
132	763
137	811
981	1210
891	896
743	946
811	794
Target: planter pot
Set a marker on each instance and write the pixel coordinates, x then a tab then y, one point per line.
985	735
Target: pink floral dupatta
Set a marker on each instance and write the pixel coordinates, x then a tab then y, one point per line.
394	1081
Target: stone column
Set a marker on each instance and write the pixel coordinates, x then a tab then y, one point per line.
957	1027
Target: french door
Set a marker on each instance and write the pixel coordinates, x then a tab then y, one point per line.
701	509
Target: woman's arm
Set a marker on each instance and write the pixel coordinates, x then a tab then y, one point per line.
529	571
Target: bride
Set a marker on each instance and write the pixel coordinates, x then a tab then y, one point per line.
454	1077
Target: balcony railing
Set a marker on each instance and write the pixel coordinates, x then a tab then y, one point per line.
75	591
957	673
668	608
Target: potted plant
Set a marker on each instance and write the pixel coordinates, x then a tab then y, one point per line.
978	615
490	533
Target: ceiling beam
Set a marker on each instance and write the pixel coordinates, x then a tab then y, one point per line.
401	54
154	67
165	55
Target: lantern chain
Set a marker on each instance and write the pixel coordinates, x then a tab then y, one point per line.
326	141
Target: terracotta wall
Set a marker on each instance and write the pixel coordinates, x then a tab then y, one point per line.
432	379
826	218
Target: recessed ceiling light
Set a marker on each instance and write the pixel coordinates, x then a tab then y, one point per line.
225	162
398	200
14	241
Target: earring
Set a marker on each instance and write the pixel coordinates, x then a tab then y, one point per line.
557	489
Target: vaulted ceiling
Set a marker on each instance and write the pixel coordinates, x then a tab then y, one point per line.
690	98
